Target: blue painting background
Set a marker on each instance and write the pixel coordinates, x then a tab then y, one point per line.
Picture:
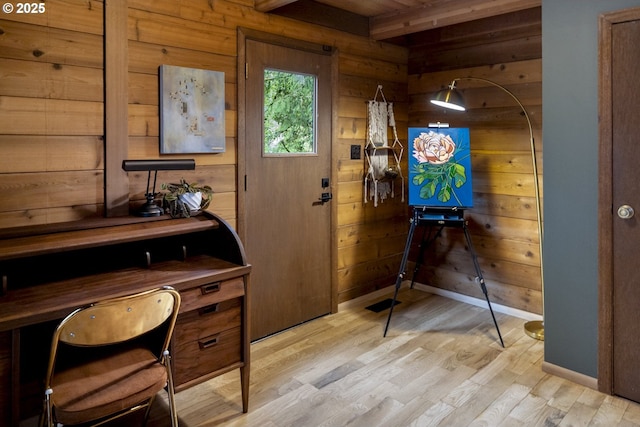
443	179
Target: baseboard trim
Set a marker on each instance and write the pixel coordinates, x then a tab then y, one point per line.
498	308
364	299
570	375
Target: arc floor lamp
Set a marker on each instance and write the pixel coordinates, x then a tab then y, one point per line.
452	99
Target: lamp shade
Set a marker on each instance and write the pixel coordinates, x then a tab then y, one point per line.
449	98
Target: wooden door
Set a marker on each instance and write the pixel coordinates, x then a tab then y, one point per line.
619	371
288	228
626	196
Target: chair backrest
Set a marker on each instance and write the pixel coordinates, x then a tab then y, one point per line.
120	319
117	320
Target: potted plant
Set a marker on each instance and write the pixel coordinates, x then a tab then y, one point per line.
183	200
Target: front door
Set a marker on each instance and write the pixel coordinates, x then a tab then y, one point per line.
288	169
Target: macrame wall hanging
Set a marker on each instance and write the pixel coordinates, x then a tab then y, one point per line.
379	181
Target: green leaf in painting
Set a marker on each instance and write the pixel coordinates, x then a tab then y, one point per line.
445	193
460	176
428	190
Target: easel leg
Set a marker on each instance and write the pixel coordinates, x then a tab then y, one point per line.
481	278
403	264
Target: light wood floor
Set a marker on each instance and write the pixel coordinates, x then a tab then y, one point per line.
440	365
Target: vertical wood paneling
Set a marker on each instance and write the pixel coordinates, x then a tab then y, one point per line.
116	189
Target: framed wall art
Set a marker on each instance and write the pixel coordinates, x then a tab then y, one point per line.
440	168
191	110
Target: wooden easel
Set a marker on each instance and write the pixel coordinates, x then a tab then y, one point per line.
437	217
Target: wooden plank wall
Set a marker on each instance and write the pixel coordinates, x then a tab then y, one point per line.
52	116
505	49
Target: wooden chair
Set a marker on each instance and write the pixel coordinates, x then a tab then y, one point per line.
111	358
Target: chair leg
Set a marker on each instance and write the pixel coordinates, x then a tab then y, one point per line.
170	390
148	411
46	417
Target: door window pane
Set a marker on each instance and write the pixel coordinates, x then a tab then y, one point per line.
289	113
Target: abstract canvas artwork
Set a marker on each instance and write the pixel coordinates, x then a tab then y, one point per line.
440	168
191	110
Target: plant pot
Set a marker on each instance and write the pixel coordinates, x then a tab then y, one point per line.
192	201
184	200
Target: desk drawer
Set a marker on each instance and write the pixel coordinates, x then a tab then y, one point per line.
207	321
211	293
194	359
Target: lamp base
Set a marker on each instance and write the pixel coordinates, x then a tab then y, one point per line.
150	209
535	329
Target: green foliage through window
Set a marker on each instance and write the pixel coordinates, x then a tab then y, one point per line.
289	110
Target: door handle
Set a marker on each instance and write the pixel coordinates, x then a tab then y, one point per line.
325	197
625	212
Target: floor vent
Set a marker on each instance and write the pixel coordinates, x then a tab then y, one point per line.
382	305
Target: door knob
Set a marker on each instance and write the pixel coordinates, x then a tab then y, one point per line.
625	212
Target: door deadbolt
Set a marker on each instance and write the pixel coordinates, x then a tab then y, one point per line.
625	212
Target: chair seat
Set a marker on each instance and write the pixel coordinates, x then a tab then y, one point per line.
96	389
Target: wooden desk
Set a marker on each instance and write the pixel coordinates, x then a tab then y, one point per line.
49	271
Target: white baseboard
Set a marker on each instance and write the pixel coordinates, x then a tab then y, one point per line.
570	375
498	308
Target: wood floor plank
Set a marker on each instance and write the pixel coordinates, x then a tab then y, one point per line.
441	364
566	396
532	411
578	415
610	412
632	414
433	416
490	391
501	407
383	413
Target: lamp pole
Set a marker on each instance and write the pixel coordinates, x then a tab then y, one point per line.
449	98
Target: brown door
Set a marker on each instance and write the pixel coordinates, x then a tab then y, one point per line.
625	126
288	228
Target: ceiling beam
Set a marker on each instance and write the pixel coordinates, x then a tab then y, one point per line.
328	16
269	5
434	15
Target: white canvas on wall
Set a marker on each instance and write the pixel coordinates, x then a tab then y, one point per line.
191	110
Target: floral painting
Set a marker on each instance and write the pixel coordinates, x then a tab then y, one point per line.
191	110
440	168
